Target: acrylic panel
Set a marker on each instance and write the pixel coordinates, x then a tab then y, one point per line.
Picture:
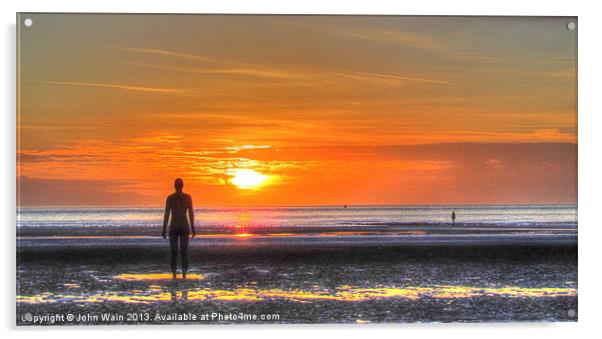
203	169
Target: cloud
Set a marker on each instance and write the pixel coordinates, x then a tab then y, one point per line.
396	37
171	53
257	71
227	66
66	192
303	75
158	90
385	77
104	173
403	38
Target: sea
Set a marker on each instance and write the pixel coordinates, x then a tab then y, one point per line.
304	217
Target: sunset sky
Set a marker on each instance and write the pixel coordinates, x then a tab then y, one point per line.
296	110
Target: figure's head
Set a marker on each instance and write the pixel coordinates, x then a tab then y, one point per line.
178	184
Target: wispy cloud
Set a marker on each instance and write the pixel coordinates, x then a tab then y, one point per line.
407	39
302	75
397	37
159	90
228	66
511	59
248	71
379	76
171	53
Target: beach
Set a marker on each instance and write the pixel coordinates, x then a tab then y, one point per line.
374	272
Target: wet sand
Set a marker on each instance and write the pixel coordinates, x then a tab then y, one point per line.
367	238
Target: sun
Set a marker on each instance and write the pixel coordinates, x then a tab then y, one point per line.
247	178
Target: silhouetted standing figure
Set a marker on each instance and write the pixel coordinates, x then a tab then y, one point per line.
179	206
453	218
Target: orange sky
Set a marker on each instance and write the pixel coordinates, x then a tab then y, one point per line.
329	110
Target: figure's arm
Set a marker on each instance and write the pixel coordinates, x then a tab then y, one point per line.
191	217
165	219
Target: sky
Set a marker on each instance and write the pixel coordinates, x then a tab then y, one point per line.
296	110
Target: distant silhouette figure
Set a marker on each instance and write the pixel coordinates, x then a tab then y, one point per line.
453	218
178	205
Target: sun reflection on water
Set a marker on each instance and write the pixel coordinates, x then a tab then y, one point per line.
243	235
156	276
343	293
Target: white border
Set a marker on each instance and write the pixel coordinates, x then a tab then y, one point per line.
590	169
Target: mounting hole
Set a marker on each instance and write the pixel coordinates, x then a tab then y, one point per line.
571	313
28	22
571	26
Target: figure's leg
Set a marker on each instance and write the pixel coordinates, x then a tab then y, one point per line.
184	253
173	243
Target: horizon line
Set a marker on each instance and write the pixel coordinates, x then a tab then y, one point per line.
296	206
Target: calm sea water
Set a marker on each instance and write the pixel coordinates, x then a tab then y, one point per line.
303	216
